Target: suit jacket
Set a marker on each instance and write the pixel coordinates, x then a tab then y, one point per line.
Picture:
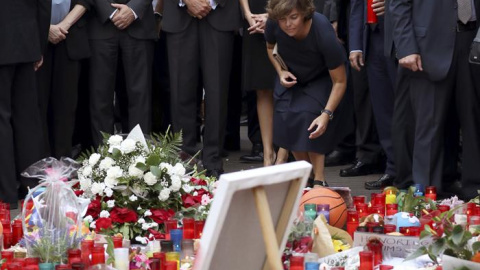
226	16
428	28
358	32
329	8
389	47
77	37
100	26
24	28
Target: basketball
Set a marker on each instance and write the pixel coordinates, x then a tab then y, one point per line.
338	207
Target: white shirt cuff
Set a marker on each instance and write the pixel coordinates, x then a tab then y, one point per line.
356	51
134	14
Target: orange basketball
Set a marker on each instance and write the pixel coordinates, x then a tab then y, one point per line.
338	208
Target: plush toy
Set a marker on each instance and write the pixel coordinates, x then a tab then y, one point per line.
404	219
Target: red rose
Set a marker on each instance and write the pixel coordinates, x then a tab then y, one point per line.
190	200
160	215
94	208
78	192
156	234
123	215
198	181
103	224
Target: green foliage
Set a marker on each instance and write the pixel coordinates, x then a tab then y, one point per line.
408	202
110	252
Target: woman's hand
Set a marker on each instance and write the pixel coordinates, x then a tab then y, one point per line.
287	79
259	26
321	124
56	34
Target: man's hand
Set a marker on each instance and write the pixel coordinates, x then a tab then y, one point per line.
198	8
356	60
379	7
123	17
287	79
38	64
318	126
56	34
412	62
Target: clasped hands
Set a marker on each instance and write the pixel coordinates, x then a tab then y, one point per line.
198	8
123	17
257	23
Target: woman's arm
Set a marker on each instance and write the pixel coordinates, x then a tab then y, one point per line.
72	17
339	79
287	79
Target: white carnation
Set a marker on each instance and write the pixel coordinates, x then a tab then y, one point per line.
110	203
164	194
140	159
115	140
176	185
127	146
88	219
153	224
147	213
110	181
106	163
143	240
134	171
92	225
94	158
145	226
141	220
108	192
178	169
150	179
187	188
87	171
97	188
186	179
104	214
85	183
133	198
115	172
167	166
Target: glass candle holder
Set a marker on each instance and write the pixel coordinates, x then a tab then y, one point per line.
352	227
117	241
170	225
173	257
310	211
74	255
62	267
362	209
415	231
389	228
161	256
121	258
6	225
378	209
358	199
78	266
310	257
312	266
324	209
177	236
390	198
379	199
86	247
170	266
166	246
98	255
362	229
392	209
296	262
7	239
366	260
443	208
386	267
20	261
352	215
154	264
474	225
187	248
199	224
378	230
418	190
188	228
32	261
7	255
404	230
431	193
371	225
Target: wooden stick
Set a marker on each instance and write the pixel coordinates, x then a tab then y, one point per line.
271	244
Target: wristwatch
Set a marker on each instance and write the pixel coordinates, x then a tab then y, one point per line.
329	113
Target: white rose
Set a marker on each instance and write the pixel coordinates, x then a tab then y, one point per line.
142	240
88	219
110	181
97	188
176	185
104	214
178	169
133	198
134	171
85	183
150	179
167	166
108	192
94	158
187	188
127	146
153	224
115	140
147	213
186	179
87	171
115	172
110	203
141	220
92	225
145	226
164	194
140	159
106	163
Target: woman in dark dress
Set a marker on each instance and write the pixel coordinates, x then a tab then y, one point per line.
307	96
259	75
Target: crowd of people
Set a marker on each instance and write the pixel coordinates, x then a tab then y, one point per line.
324	80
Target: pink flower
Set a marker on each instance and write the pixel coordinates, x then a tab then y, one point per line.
205	199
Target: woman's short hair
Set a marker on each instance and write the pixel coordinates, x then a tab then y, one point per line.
278	9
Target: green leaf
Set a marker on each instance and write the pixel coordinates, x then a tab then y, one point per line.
110	252
438	246
426	233
116	153
126	231
142	166
156	171
419	252
457	234
153	160
476	247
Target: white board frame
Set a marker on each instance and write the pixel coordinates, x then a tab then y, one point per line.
291	177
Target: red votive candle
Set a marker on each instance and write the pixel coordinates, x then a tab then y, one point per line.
358	199
7	227
199	224
86	247
477	210
362	229
154	264
188	228
74	255
32	261
162	257
392	209
62	267
20	261
117	241
370	225
386	267
352	227
169	225
443	208
98	255
414	231
362	209
366	260
470	209
14	266
389	228
431	193
379	209
404	230
296	262
7	239
169	265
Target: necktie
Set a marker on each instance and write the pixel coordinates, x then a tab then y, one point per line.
464	10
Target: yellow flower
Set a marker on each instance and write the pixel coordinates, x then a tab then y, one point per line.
339	246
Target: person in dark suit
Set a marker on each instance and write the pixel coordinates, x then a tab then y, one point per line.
125	27
24	32
58	79
367	43
200	34
432	39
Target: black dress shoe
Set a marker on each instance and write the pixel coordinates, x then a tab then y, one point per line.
256	155
337	158
320	183
359	168
214	173
384	181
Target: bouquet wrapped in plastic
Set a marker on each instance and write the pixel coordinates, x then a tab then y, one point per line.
52	213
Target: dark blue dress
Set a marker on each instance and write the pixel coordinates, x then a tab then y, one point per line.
295	108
